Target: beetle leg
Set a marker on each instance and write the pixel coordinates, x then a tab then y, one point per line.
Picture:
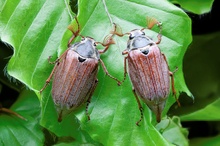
51	74
173	88
104	50
58	59
125	52
75	33
125	68
48	79
106	71
151	22
172	80
175	70
89	99
159	38
118	31
159	33
52	62
108	40
139	106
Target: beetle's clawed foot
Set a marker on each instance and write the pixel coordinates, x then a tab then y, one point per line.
119	83
176	69
137	123
108	40
117	30
88	117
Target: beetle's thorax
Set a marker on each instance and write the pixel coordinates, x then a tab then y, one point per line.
138	40
86	48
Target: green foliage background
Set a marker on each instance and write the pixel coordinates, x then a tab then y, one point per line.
38	29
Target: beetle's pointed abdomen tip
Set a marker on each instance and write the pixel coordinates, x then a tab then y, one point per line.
60	117
157	110
158	117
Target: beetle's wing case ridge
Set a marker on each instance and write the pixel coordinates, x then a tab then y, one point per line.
150	77
76	78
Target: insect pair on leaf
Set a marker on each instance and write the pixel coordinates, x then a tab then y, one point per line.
75	71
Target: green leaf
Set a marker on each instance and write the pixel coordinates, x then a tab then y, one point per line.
208	141
172	130
202	6
114	106
204	113
16	131
35	29
114	111
201	72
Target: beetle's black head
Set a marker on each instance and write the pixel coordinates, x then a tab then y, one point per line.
136	33
86	48
138	39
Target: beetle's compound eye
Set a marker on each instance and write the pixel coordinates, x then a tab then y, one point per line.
94	44
131	36
83	39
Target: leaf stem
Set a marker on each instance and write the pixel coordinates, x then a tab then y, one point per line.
106	9
68	9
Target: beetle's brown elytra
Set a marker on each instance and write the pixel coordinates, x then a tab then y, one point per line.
75	73
148	69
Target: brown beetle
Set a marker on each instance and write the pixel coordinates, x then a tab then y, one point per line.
75	73
148	69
